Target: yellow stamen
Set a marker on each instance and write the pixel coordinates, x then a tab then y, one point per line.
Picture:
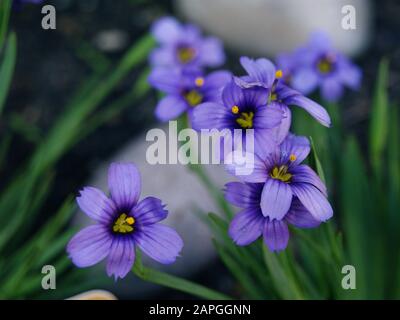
325	65
246	120
123	224
193	97
274	97
281	174
292	157
199	81
235	109
186	54
278	74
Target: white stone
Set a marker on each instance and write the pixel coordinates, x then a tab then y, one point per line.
111	40
268	27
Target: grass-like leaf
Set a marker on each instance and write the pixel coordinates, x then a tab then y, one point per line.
7	66
174	282
379	117
281	275
5	11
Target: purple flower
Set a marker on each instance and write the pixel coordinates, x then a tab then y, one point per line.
320	65
262	73
250	223
244	109
186	89
122	223
184	46
281	190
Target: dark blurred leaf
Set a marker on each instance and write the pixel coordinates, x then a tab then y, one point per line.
28	131
4	148
362	224
393	195
5	10
7	68
379	117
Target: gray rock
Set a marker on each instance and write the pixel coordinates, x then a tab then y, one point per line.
111	40
268	27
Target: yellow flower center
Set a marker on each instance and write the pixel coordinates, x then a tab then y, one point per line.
292	157
278	74
274	97
281	174
123	224
186	54
246	120
325	65
193	97
199	81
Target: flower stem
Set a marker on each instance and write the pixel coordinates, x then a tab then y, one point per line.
214	192
174	282
198	170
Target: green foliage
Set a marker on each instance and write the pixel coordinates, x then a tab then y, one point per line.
27	241
173	282
378	131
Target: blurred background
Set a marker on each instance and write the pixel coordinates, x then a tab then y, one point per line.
93	35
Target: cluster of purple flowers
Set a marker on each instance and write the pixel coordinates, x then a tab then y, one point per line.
184	46
178	68
259	101
279	191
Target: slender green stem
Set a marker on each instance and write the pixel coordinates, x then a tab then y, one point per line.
180	284
174	282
